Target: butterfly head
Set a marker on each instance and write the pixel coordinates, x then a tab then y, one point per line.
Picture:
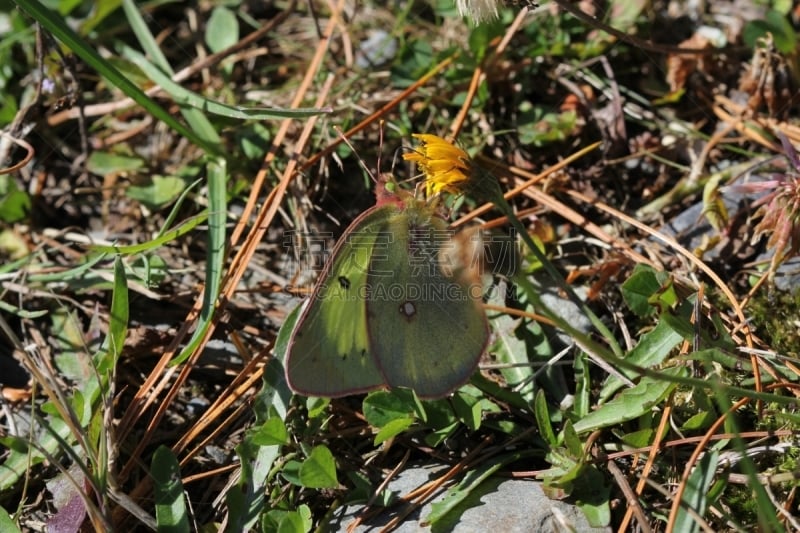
387	192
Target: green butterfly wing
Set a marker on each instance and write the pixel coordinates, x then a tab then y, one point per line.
329	353
427	327
389	311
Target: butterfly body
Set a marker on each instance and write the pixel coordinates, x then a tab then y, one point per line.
388	310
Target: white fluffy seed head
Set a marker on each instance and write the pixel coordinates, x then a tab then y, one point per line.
477	10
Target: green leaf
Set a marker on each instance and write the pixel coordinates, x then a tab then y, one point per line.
415	59
15	444
19	458
566	469
171	513
639	287
296	522
651	350
440	413
271	432
281	521
246	499
638	439
254	140
159	192
15	204
591	493
572	441
103	163
699	421
318	471
81	405
515	339
8	108
631	403
316	407
441	434
393	428
720	357
145	36
540	126
493	389
274	397
542	414
382	407
102	9
775	23
480	37
6	523
361	490
584	385
118	326
71	359
696	491
107	356
291	472
468	409
668	296
222	29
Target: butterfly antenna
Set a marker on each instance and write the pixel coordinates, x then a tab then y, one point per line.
360	160
397	152
380	147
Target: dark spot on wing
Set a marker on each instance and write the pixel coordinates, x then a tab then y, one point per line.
408	310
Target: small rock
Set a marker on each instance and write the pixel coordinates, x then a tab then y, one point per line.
498	504
380	47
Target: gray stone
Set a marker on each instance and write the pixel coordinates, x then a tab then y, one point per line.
497	505
377	49
690	228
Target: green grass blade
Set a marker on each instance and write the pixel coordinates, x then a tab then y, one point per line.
695	495
171	513
56	25
118	325
186	97
217	199
145	37
197	121
176	208
73	273
162	239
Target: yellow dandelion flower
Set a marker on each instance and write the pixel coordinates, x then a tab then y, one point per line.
446	167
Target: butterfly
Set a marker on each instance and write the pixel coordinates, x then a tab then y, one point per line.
398	304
